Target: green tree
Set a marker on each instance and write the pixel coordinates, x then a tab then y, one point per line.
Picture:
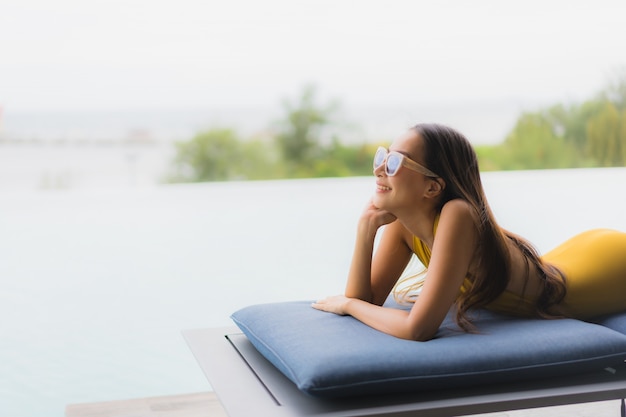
534	143
606	136
592	133
300	132
616	91
341	160
260	160
213	155
491	157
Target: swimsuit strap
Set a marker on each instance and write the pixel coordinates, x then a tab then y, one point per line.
420	249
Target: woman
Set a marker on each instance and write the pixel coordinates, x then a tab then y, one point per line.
430	197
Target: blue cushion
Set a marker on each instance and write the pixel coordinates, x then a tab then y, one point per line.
332	356
616	322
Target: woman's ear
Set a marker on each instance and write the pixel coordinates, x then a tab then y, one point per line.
436	187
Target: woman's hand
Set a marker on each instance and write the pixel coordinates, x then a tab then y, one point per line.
336	304
374	217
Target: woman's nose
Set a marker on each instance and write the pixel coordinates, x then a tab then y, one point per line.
379	170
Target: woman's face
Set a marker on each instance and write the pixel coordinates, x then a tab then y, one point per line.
406	187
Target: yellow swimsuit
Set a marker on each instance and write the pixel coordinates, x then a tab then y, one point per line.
594	263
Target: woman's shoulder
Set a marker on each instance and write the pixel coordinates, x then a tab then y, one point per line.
458	208
458	216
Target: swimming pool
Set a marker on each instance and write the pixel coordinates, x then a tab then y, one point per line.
96	285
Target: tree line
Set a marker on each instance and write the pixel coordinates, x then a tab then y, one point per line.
305	143
587	134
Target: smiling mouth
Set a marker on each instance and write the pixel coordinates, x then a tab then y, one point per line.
382	188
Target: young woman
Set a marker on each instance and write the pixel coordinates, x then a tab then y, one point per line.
430	197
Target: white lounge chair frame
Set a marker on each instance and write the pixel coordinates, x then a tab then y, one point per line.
249	385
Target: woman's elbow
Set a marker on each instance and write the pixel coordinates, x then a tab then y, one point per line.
415	336
423	337
419	328
421	334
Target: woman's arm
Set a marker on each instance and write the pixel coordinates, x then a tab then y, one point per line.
452	253
370	279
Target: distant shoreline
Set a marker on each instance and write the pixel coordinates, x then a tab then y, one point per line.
483	122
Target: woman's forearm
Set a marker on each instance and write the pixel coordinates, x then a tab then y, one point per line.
359	283
392	321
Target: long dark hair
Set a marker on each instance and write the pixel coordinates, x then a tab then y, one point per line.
451	155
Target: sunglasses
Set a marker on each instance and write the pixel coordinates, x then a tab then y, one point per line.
394	160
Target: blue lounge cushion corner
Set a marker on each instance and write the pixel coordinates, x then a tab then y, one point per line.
615	322
327	355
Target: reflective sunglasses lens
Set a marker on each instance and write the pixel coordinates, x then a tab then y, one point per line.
379	157
393	164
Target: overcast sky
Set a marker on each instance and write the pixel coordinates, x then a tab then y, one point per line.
108	54
473	64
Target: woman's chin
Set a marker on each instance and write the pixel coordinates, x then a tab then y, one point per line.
380	201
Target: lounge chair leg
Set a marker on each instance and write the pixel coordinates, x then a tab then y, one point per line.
623	408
